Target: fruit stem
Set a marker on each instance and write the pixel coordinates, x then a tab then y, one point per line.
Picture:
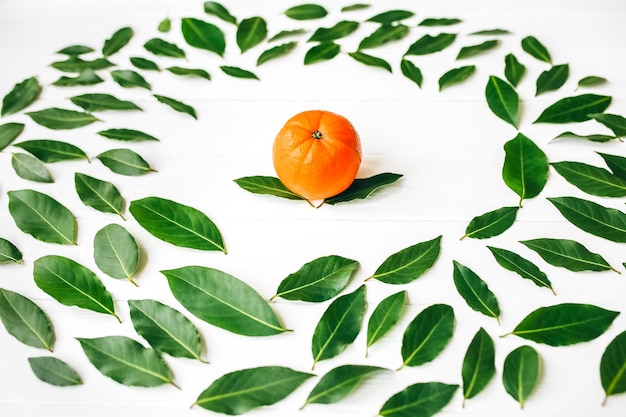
316	135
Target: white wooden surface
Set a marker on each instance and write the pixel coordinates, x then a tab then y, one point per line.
448	146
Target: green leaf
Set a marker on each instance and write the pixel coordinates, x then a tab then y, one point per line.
391	16
521	372
177	224
266	185
478	364
525	169
115	43
241	391
9	252
428	44
54	371
383	35
127	135
565	324
130	79
491	224
217	9
356	6
21	96
605	222
161	47
144	64
513	69
442	21
125	361
534	48
491	32
568	254
339	326
521	266
222	300
306	12
592	138
179	106
338	31
79	65
613	367
574	109
473	50
30	168
339	382
97	102
323	52
591	179
427	335
72	284
86	77
503	100
251	32
364	187
99	194
287	33
166	329
9	132
275	52
384	317
190	72
165	25
411	71
423	399
614	122
74	50
116	252
57	119
616	163
552	79
318	280
409	263
591	81
370	60
50	151
237	72
203	35
475	291
42	217
124	162
456	76
25	321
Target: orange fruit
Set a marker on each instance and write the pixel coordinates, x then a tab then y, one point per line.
317	154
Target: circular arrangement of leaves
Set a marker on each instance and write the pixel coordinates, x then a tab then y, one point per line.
227	302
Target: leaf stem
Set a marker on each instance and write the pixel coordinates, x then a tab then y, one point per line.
174	384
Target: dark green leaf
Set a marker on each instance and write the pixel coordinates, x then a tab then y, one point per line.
130	79
339	382
318	280
410	263
473	50
525	168
98	101
79	65
86	77
612	366
24	320
287	33
166	329
384	317
428	44
179	106
238	72
217	9
391	16
552	79
306	12
251	32
192	72
513	69
383	35
161	47
442	21
275	52
370	60
591	81
222	300
533	47
411	71
364	187
30	168
116	252
99	194
605	222
478	364
356	6
491	224
125	361
521	266
574	109
124	162
491	32
177	224
21	96
423	399
340	30
54	371
165	25
144	64
339	326
240	391
591	179
127	135
120	39
322	52
427	335
75	50
57	119
475	291
614	122
9	252
203	35
592	138
50	151
266	185
502	100
568	254
616	163
456	76
42	217
9	132
520	374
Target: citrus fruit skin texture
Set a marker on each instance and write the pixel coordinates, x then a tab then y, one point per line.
317	154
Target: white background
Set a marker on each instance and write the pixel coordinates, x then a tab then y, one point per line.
447	145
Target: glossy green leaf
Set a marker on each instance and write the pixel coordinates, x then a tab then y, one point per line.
42	217
574	109
591	179
72	284
126	135
57	119
237	72
411	71
370	60
241	391
491	224
50	151
21	96
9	252
591	81
179	106
473	50
536	49
605	222
423	399
54	371
117	41
503	100
383	35
30	168
339	382
428	44
222	300
391	16
99	194
616	163
25	321
165	25
475	291
427	335
525	169
124	162
217	9
190	72
456	76
251	32
144	64
75	50
177	224
9	132
160	47
409	263
338	31
99	101
323	52
521	266
568	254
79	65
565	324
130	79
276	52
318	280
384	317
86	77
116	252
441	21
552	79
203	35
513	69
266	185
478	364
166	329
521	372
592	137
126	361
364	187
306	12
491	32
354	7
613	367
287	34
614	122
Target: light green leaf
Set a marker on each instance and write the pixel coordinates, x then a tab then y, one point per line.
237	72
442	21
491	224
423	399
339	382
411	71
127	135
383	35
99	101
456	76
266	185
364	187
473	50
21	96
179	106
130	79
491	32
306	12
370	60
74	50
161	47
165	25
503	100
591	81
338	31
354	7
287	34
86	77
592	137
99	194
115	43
9	252
429	44
57	119
217	9
30	168
54	371
190	72
124	162
9	132
79	65
391	16
116	252
50	151
144	64
25	321
521	372
275	52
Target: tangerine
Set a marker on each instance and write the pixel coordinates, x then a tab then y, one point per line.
317	154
